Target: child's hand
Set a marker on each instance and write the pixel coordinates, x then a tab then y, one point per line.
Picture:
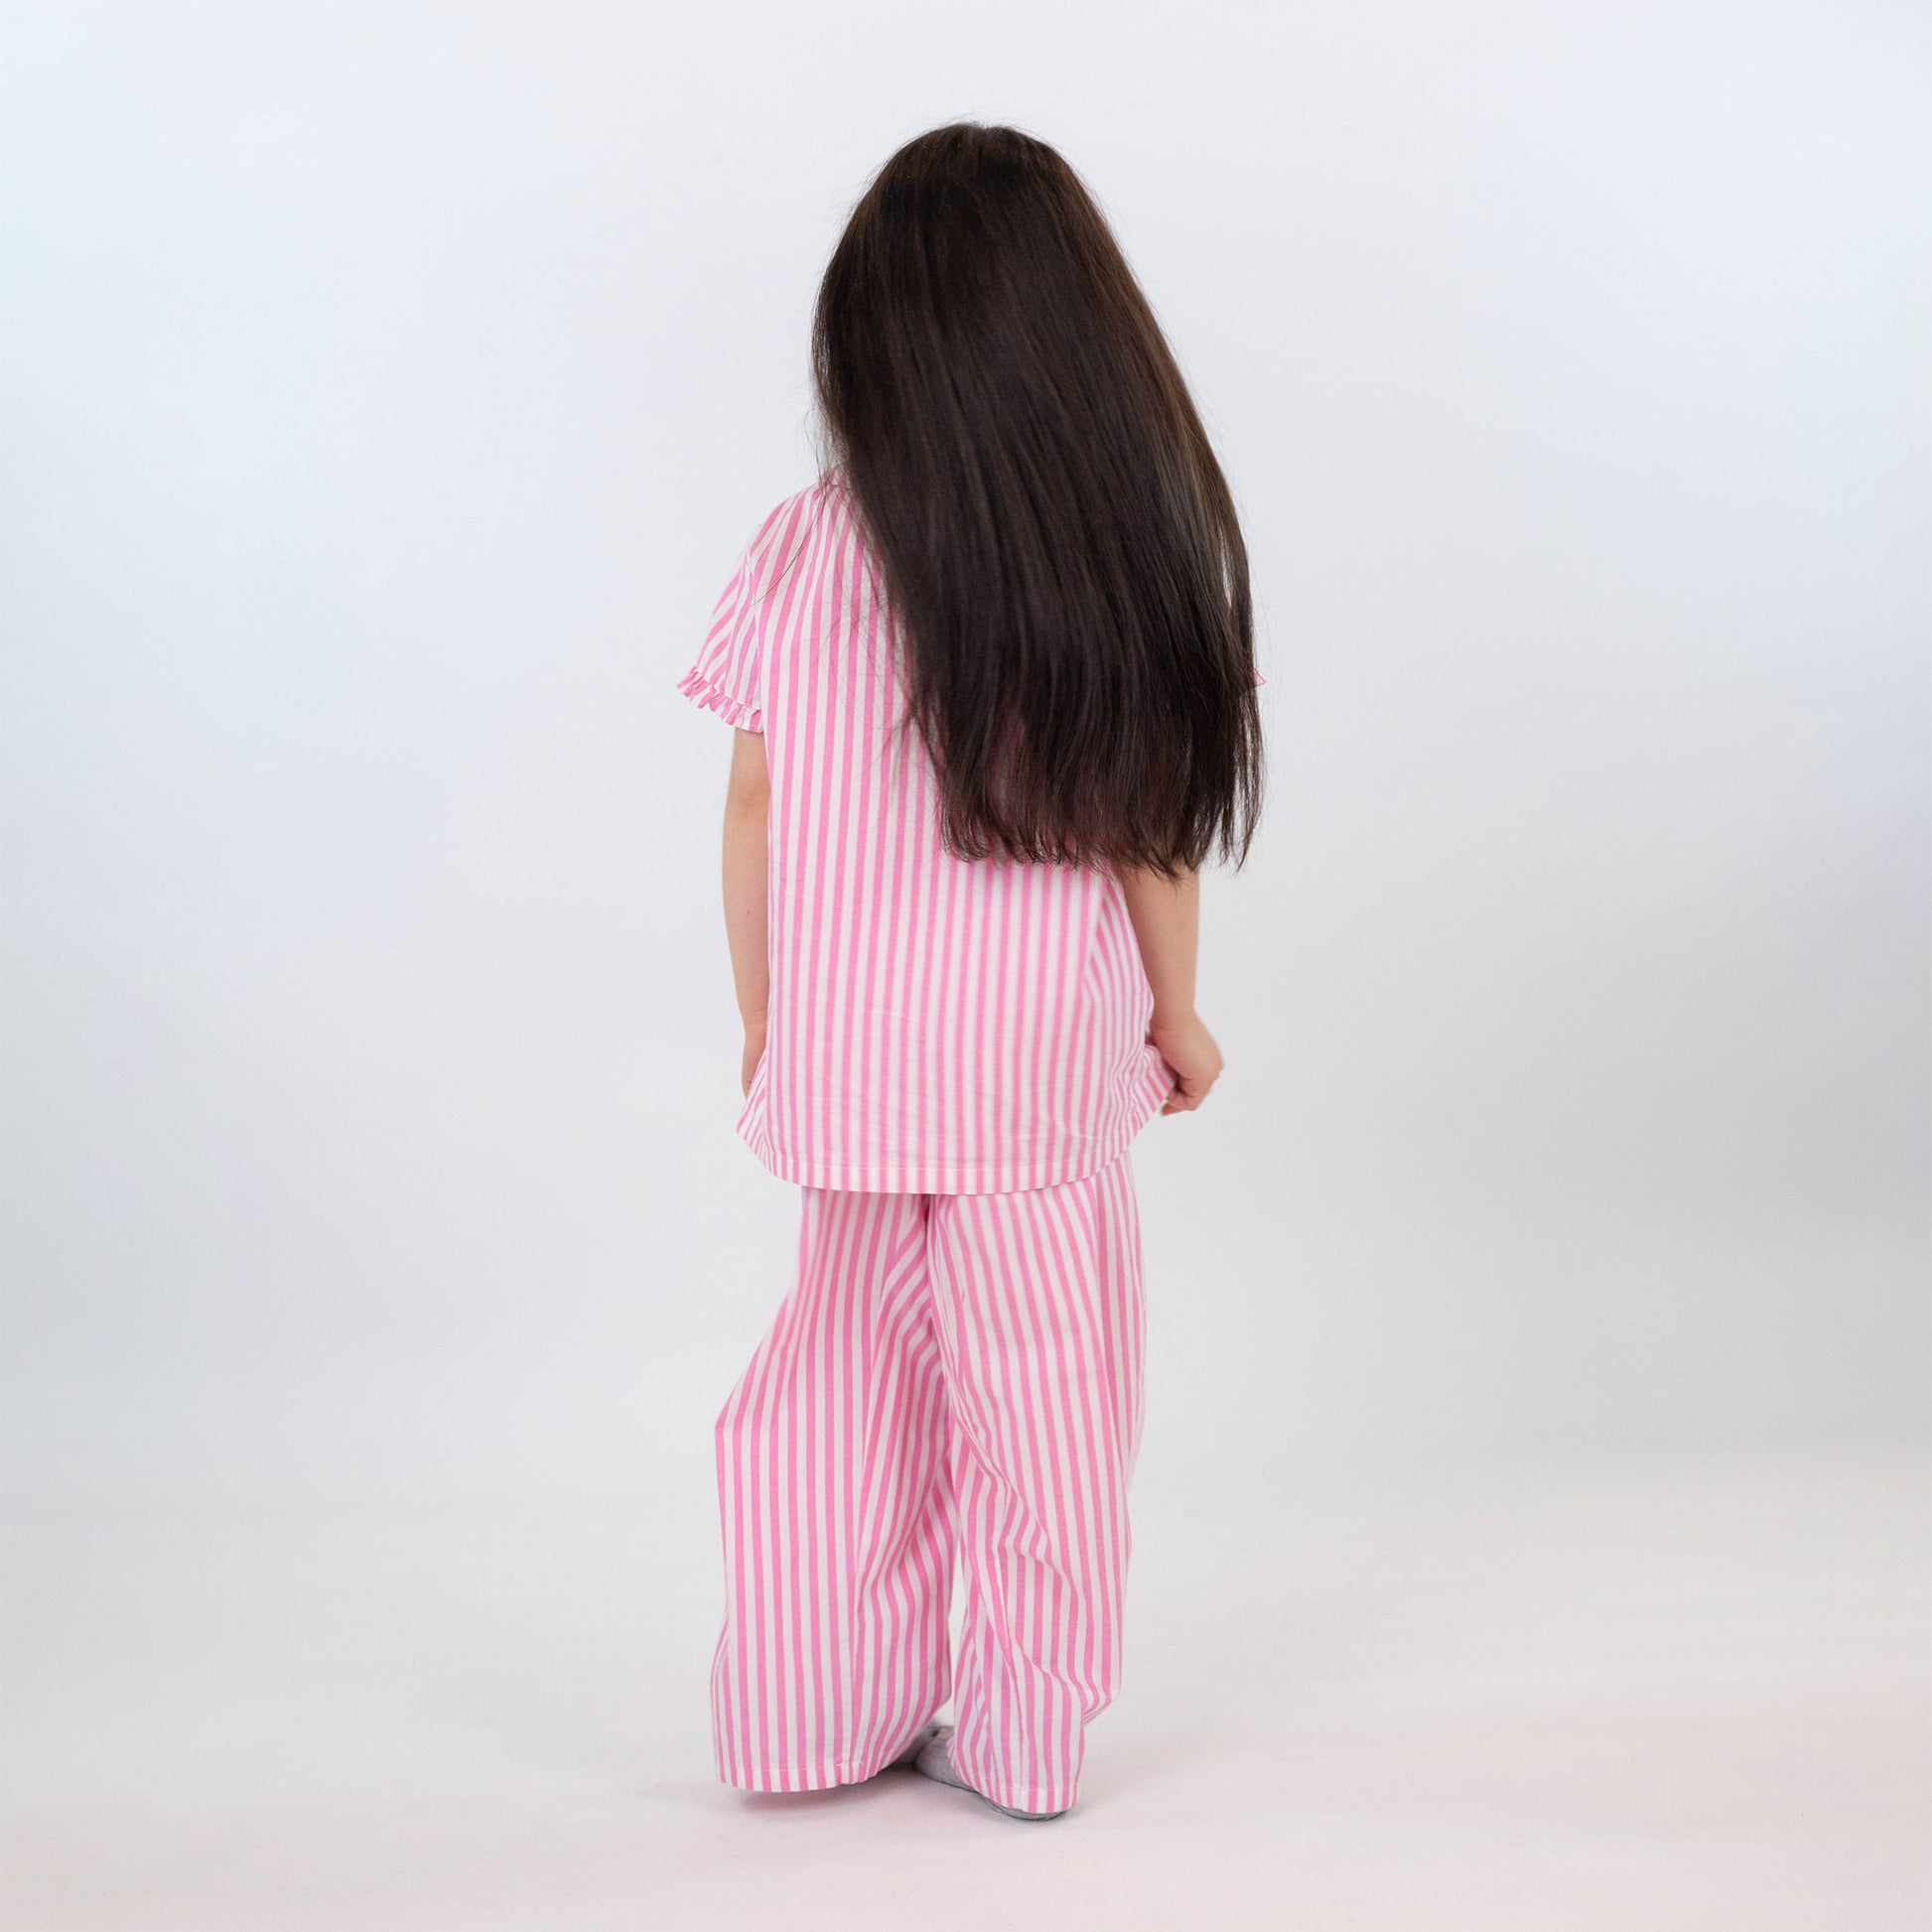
753	1053
1190	1053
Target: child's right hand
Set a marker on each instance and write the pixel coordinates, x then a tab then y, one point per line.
1191	1055
753	1053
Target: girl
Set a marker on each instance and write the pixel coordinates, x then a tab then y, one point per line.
993	682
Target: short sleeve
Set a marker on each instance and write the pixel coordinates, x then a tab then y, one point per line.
726	676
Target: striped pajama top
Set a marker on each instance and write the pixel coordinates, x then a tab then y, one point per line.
936	1025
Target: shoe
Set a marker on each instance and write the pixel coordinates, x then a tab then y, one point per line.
907	1758
934	1761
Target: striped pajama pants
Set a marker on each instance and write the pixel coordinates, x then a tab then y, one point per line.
948	1372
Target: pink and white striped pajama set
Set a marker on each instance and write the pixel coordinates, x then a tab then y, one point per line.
956	1061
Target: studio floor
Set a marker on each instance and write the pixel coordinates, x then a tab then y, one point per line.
1655	1693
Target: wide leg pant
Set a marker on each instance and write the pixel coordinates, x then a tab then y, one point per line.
948	1372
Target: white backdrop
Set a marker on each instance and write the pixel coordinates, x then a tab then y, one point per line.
389	389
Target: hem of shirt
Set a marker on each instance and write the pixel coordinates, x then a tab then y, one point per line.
1149	1095
714	697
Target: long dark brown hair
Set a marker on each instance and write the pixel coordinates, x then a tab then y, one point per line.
1057	543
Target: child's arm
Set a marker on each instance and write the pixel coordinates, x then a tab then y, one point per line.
1166	923
748	850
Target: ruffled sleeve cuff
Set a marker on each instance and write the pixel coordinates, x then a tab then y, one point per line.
713	696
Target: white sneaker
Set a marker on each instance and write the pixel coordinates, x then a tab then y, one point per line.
934	1761
908	1757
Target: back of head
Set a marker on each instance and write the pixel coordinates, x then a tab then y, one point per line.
1056	540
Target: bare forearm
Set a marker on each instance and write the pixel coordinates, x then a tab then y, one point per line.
747	859
1166	923
746	856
